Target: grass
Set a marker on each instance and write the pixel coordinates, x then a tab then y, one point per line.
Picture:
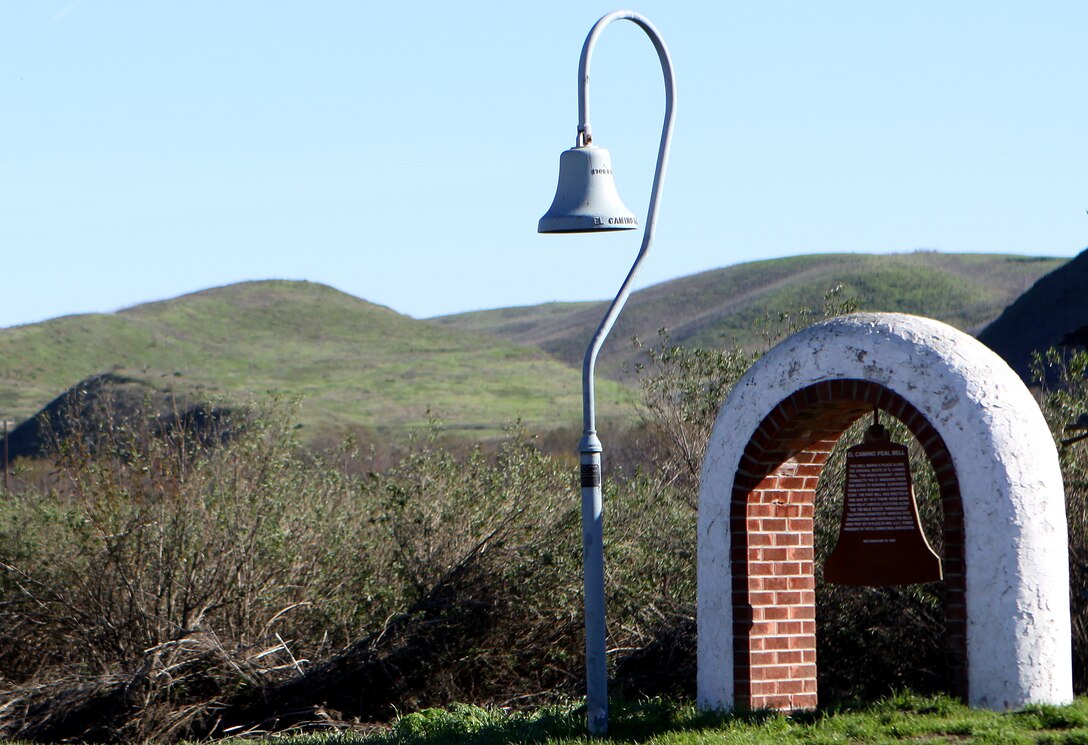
715	308
351	362
902	718
356	364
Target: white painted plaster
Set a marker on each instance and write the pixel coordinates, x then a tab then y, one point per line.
1018	631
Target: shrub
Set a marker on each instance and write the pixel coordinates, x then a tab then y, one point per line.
186	566
1065	406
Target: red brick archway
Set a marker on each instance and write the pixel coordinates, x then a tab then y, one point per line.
771	525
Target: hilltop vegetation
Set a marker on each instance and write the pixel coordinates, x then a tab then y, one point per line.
733	305
354	364
350	362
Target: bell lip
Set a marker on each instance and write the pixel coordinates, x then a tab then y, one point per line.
586	223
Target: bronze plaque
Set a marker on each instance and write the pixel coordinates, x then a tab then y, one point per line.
880	539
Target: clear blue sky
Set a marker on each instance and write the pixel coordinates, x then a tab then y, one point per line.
403	152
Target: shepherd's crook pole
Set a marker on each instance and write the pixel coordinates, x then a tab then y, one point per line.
590	447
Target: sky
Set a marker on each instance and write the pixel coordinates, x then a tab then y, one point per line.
403	152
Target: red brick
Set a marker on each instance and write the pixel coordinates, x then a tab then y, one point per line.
792	657
803	671
791	482
804	702
790	686
774	613
802	612
761	568
763	688
772	672
777	583
787	510
757	659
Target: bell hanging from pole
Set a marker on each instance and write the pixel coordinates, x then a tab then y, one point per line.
586	199
880	538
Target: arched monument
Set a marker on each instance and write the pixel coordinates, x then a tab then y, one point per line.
1005	543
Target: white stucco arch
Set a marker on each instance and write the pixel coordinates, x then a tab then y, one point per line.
1016	546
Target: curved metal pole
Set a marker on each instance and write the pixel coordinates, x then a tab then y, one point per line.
585	134
590	448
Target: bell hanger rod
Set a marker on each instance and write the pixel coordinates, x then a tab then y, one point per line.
585	136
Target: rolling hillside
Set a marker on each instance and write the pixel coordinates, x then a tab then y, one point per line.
351	362
723	306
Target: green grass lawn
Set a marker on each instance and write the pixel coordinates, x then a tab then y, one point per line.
899	719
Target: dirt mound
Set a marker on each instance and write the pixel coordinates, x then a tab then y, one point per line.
106	401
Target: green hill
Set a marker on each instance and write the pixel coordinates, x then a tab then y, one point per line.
354	363
351	362
723	306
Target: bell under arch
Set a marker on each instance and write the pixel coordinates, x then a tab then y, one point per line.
1006	581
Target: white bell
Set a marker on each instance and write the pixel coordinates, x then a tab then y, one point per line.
586	199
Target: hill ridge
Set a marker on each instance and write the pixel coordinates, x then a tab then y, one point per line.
720	306
353	363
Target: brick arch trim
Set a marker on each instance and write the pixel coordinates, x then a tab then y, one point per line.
1000	481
